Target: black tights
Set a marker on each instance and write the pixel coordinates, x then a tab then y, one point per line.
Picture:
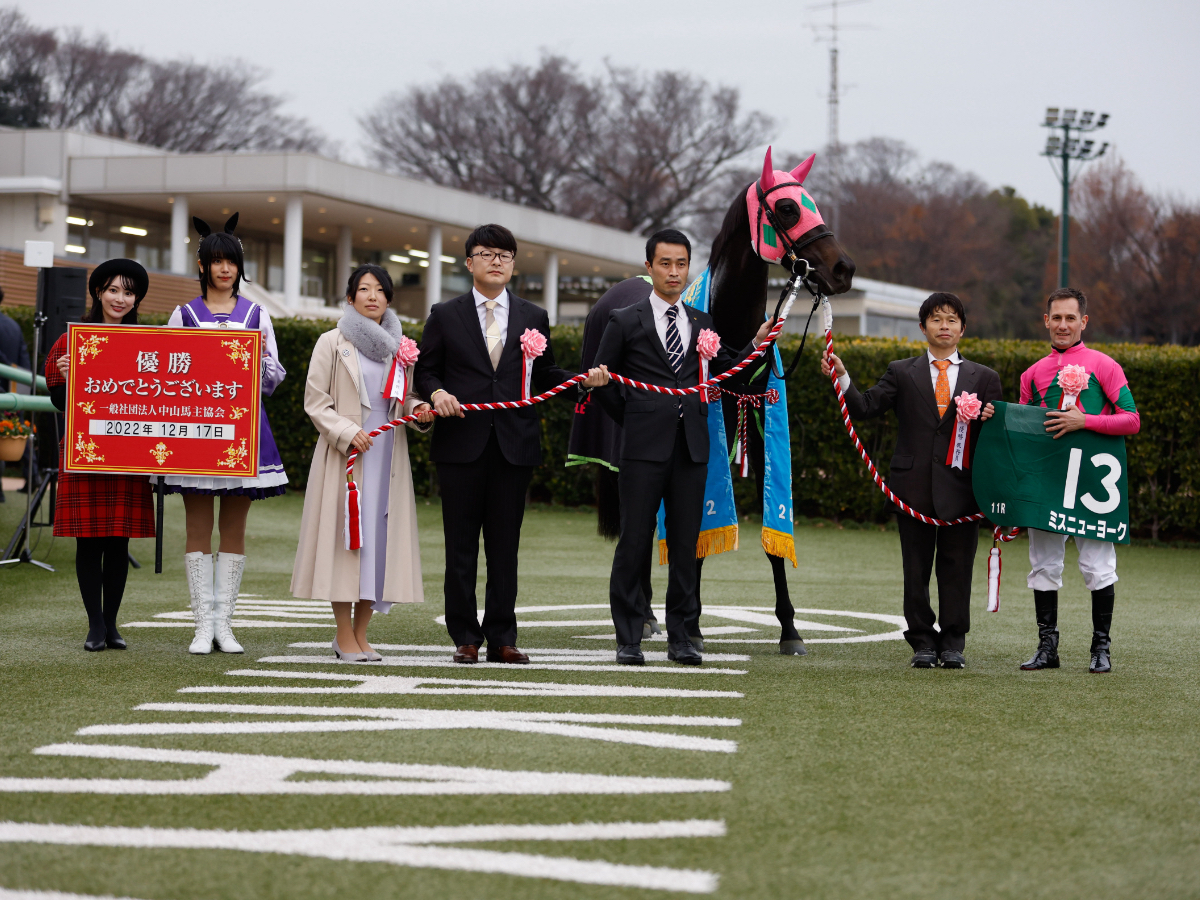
101	566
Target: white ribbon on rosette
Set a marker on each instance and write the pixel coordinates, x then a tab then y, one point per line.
968	406
1073	381
533	345
396	383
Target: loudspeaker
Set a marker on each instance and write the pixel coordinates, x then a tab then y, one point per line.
62	298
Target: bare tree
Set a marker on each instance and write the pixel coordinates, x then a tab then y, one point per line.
631	150
49	80
657	144
508	134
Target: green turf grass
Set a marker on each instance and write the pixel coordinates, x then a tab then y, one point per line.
855	775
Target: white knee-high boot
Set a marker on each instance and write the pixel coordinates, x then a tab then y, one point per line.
199	569
229	568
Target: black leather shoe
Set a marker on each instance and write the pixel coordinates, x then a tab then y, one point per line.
630	655
95	642
924	659
684	653
113	639
953	659
697	642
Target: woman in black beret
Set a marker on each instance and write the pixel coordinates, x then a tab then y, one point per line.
102	512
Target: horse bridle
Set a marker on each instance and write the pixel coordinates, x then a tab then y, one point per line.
792	249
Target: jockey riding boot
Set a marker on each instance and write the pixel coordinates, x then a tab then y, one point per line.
1045	604
229	570
1102	610
199	569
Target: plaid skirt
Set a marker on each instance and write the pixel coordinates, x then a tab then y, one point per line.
104	506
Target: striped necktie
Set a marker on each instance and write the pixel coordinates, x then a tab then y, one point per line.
674	343
495	346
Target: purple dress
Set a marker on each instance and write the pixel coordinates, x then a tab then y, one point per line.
271	477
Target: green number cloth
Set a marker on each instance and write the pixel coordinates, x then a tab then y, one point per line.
1024	478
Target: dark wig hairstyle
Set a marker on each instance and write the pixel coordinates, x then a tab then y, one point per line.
381	275
1068	294
215	245
667	236
942	300
96	313
495	236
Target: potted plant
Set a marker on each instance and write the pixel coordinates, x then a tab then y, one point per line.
13	435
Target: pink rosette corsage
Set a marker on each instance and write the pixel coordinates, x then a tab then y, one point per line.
708	345
533	345
396	383
1073	381
968	407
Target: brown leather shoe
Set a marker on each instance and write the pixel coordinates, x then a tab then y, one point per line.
507	655
467	653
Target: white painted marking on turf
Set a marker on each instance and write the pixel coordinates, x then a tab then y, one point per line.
543	654
399	684
412	847
425	662
7	894
236	623
572	725
238	773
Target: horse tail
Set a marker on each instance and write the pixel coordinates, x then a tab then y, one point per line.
608	504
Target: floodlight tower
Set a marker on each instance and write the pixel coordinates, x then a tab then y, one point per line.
1066	147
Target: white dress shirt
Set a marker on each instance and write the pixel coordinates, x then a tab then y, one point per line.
951	372
659	307
500	312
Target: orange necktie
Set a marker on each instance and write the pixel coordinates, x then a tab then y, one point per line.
941	390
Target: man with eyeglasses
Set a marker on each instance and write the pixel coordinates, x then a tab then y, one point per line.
471	353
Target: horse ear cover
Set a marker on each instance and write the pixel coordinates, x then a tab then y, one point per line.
810	216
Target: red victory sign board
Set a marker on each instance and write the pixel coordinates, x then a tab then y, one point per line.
163	401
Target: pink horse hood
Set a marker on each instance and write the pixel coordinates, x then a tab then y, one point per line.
763	239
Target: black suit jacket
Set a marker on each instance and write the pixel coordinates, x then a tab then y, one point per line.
919	475
454	358
631	347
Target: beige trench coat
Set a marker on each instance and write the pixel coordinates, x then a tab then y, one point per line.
337	402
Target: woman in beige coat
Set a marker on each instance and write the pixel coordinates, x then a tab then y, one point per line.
344	397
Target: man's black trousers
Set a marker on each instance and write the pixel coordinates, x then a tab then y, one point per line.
953	547
486	495
678	482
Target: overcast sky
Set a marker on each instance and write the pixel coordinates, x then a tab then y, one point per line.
960	80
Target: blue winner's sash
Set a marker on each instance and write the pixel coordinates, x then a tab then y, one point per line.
719	529
778	538
719	524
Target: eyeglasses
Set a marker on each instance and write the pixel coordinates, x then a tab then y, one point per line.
488	255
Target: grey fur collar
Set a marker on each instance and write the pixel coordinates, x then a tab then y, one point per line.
377	342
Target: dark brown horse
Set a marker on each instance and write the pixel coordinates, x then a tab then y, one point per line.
771	217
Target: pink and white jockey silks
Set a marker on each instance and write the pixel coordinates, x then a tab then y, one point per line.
1056	383
776	185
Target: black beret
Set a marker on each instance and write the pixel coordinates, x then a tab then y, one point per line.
131	269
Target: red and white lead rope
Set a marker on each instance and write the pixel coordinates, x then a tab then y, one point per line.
532	348
998	535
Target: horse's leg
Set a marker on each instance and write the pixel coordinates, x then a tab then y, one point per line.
790	642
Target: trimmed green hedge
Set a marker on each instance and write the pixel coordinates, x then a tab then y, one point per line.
830	481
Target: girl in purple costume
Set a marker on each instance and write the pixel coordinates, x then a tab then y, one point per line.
214	580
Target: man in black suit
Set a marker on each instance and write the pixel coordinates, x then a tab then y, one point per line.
664	449
921	389
471	353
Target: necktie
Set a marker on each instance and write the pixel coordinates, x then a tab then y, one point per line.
491	333
941	390
674	343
